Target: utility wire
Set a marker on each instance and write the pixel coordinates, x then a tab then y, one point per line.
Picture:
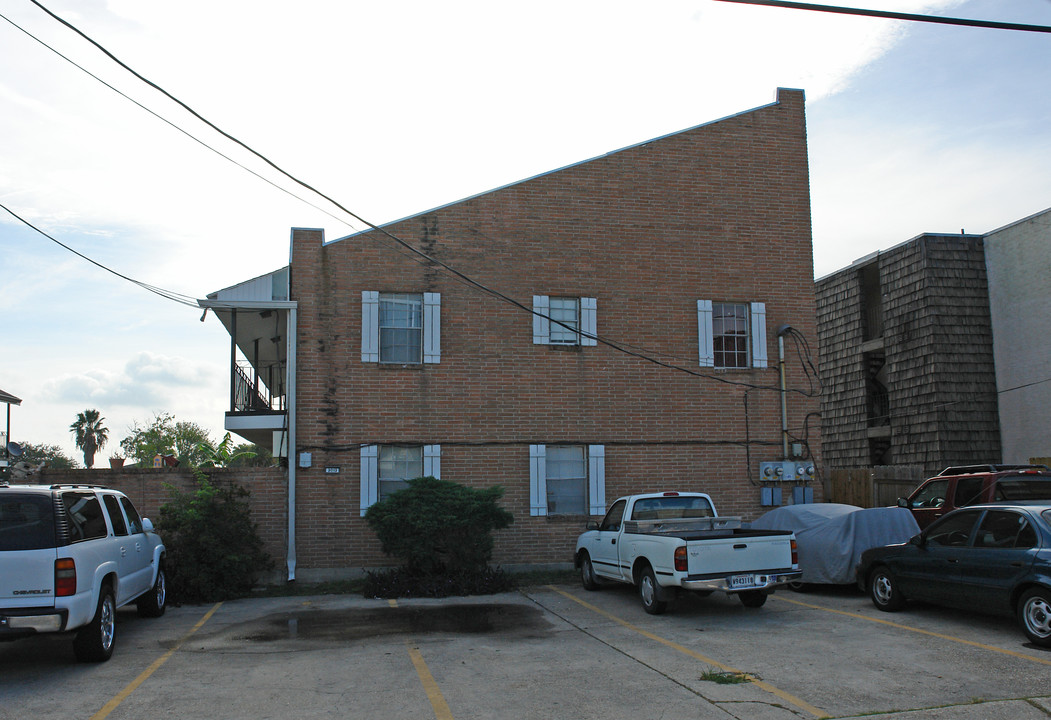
896	15
428	258
170	295
173	125
337	218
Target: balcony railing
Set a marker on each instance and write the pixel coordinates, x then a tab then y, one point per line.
251	389
878	404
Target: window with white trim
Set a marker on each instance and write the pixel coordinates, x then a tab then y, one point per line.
385	469
564	320
567	480
400	328
731	335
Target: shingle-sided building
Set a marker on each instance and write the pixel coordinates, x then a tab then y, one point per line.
907	358
606	328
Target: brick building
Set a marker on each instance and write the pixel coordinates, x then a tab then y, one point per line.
614	326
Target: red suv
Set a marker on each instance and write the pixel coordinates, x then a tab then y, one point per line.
960	486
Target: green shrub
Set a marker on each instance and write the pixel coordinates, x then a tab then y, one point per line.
214	551
439	529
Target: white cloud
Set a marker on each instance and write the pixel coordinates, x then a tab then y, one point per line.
147	380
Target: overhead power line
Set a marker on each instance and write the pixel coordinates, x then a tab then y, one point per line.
897	15
457	274
169	294
172	124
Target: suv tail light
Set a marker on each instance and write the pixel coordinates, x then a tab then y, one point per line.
680	559
795	552
65	577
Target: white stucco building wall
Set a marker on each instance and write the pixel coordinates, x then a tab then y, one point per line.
1018	262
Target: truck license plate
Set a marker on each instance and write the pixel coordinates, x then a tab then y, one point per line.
742	581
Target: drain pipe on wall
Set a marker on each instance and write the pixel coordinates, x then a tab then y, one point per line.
290	363
781	332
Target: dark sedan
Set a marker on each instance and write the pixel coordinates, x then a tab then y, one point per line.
992	557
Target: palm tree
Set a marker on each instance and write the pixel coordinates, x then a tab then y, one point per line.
90	434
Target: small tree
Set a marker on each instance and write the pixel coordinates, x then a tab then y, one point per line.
214	548
437	527
252	455
89	434
214	551
225	454
51	454
165	436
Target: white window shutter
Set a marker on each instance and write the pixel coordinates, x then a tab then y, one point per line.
597	479
432	337
369	476
370	326
541	323
538	480
432	461
588	321
706	345
759	359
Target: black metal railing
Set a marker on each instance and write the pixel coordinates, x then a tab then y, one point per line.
878	404
252	388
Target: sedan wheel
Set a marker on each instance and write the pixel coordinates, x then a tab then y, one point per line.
1034	612
884	591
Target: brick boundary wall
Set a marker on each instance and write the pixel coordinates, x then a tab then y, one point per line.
149	488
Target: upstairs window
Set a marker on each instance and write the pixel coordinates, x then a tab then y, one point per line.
564	320
731	335
400	328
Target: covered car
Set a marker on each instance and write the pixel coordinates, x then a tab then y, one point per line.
832	536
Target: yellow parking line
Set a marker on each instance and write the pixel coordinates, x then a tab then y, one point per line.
919	631
145	674
430	686
790	699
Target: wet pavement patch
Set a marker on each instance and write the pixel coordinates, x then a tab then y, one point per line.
517	621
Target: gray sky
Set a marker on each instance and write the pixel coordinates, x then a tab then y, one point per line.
395	108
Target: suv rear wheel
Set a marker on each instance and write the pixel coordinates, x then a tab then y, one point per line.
94	641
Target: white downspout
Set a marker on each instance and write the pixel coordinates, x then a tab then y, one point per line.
290	450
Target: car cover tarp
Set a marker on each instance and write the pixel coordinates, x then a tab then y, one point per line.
832	536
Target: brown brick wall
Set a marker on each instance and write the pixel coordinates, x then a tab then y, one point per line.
150	488
719	212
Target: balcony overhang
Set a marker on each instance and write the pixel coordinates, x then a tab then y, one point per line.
257	427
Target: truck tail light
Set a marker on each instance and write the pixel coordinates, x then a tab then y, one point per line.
65	577
795	552
680	559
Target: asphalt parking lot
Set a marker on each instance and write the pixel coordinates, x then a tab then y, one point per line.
546	652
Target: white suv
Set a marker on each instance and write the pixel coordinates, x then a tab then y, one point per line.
70	555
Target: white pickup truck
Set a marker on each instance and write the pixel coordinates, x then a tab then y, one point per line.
668	542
